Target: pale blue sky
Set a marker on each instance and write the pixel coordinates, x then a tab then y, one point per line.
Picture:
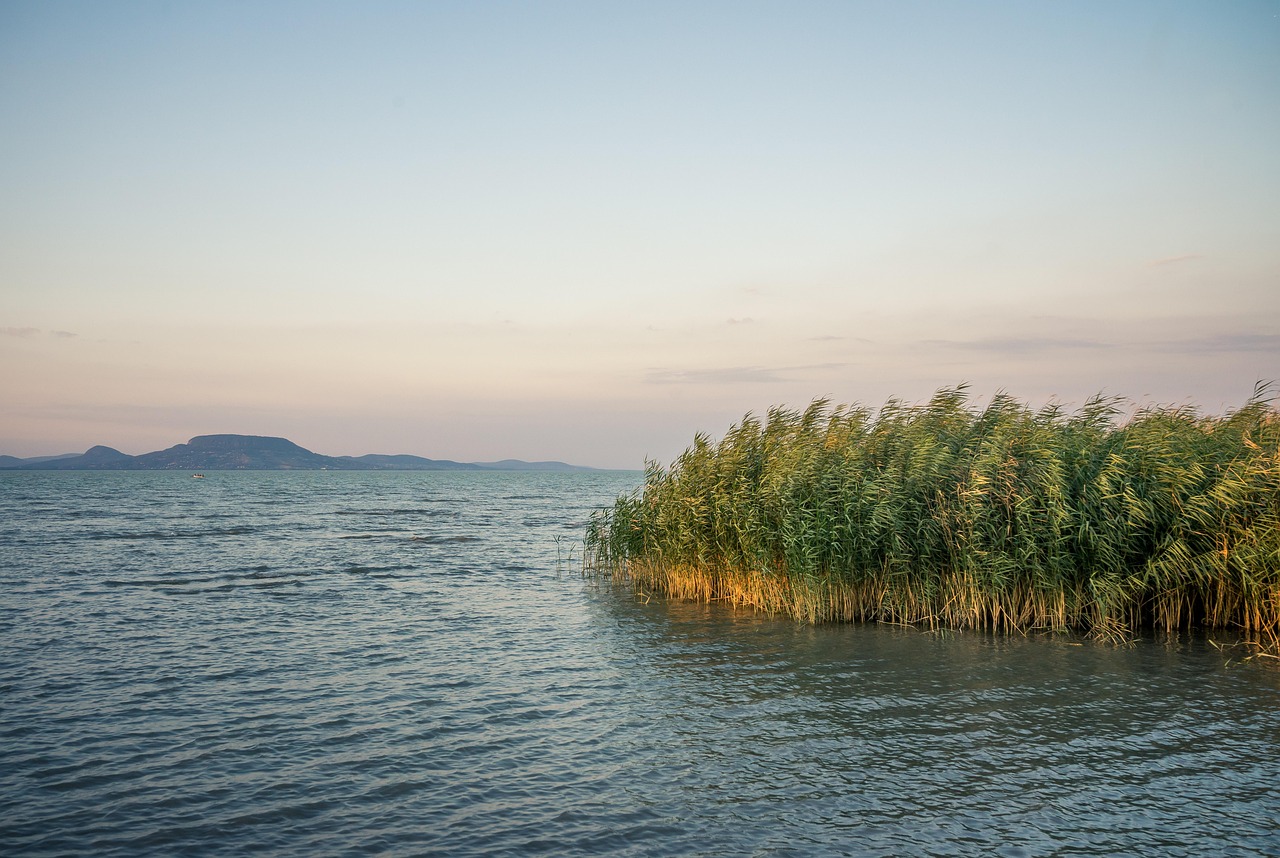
584	231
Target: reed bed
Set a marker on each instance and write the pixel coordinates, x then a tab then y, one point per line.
947	515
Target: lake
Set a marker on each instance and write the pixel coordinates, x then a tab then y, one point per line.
410	663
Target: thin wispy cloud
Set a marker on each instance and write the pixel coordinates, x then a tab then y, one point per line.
25	333
1022	345
835	338
1173	260
727	375
734	374
1225	343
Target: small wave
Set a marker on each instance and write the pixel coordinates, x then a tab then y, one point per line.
153	582
439	540
377	571
242	585
164	535
429	513
250	576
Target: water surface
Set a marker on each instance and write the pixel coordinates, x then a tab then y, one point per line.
329	663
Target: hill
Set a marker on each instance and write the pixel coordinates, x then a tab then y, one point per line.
255	453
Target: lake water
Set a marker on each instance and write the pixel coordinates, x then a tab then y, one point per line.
325	663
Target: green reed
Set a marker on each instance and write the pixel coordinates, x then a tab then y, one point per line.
943	514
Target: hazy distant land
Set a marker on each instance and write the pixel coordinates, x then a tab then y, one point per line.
257	453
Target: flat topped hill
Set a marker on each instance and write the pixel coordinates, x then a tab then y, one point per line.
242	442
236	452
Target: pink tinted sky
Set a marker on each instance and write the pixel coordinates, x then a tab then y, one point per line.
585	231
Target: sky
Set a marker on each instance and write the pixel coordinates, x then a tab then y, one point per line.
586	231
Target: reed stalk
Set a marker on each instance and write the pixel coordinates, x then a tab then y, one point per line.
946	515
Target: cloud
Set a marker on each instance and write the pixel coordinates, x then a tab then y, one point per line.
835	338
1021	345
733	374
1173	260
29	333
1226	343
728	375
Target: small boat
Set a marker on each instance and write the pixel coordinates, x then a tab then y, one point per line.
197	476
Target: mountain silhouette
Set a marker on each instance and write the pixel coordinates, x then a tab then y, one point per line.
255	453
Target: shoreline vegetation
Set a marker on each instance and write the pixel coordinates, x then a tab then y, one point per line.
947	516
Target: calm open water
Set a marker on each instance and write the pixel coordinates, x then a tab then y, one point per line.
327	663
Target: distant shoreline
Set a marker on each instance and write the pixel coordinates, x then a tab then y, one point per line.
259	453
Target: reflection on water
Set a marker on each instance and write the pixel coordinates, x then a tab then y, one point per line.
365	663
